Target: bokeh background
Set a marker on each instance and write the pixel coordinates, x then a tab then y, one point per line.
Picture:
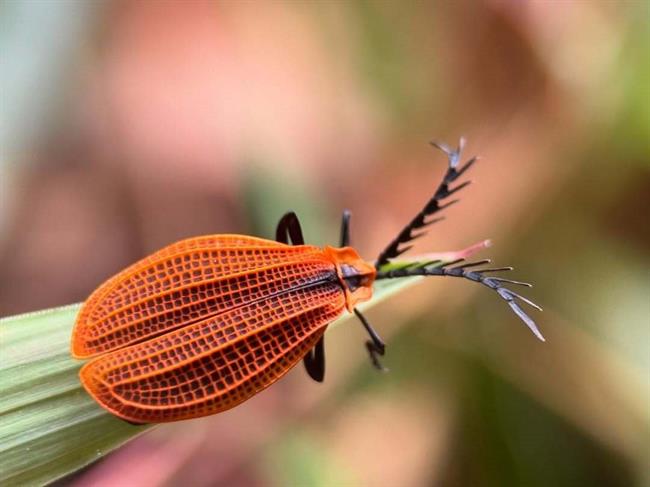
126	125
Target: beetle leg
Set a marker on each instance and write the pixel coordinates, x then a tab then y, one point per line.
345	228
374	353
289	228
289	231
375	346
315	361
132	422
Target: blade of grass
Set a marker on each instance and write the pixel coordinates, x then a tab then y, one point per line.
49	426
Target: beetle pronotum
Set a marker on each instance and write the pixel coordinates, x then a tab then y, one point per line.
205	323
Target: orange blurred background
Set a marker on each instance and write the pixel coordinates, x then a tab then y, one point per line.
127	125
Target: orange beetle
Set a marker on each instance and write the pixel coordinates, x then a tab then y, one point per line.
204	324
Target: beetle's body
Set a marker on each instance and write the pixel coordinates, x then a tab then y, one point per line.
205	323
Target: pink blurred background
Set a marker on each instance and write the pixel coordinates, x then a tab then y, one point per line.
129	125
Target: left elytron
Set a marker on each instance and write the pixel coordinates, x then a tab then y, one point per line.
204	324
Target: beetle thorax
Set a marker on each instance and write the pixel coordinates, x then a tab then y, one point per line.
356	275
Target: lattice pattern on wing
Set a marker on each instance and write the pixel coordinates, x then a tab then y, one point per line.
215	364
189	281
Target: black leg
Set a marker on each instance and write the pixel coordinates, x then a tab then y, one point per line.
289	231
374	353
131	422
315	361
375	346
289	227
345	228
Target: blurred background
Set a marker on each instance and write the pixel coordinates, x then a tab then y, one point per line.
128	125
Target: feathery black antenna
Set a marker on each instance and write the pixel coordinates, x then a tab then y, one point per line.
495	283
434	205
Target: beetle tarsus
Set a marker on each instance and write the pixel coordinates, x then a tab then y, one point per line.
374	352
375	346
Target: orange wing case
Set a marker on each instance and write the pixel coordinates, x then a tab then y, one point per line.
203	324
